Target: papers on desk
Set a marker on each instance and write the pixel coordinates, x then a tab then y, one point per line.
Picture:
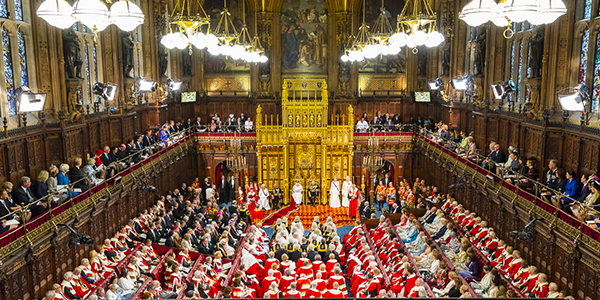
62	188
12	222
227	266
78	190
588	221
143	235
184	269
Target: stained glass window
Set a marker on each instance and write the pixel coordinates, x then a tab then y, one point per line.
79	96
138	63
512	65
95	62
587	13
596	92
528	63
18	10
3	9
519	72
22	59
87	72
584	55
8	72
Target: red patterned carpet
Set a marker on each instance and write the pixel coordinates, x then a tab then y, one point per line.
307	214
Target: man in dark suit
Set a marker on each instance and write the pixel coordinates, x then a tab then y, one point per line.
76	174
243	118
22	194
495	157
223	190
395	209
205	247
5	208
106	157
198	124
206	185
148	139
38	209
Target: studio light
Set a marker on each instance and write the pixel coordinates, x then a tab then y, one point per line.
462	83
436	84
575	100
106	91
149	189
173	85
78	237
146	86
501	90
28	101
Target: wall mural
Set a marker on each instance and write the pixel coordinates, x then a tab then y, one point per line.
389	63
304	36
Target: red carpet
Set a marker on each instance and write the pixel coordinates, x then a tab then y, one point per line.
271	217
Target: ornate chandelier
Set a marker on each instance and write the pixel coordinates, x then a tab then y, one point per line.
371	44
536	12
92	13
417	26
189	22
235	161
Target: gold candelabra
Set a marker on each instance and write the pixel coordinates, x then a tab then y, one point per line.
373	162
235	161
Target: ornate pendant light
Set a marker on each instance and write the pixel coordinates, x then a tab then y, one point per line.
536	12
417	26
92	13
126	15
550	10
226	33
478	12
57	13
188	19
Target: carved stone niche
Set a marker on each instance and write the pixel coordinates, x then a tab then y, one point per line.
73	92
534	106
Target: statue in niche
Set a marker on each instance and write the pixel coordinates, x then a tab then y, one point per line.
127	49
446	58
537	52
397	62
422	62
187	63
265	68
344	67
480	47
163	62
73	62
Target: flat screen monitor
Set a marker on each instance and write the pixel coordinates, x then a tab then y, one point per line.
422	97
188	97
